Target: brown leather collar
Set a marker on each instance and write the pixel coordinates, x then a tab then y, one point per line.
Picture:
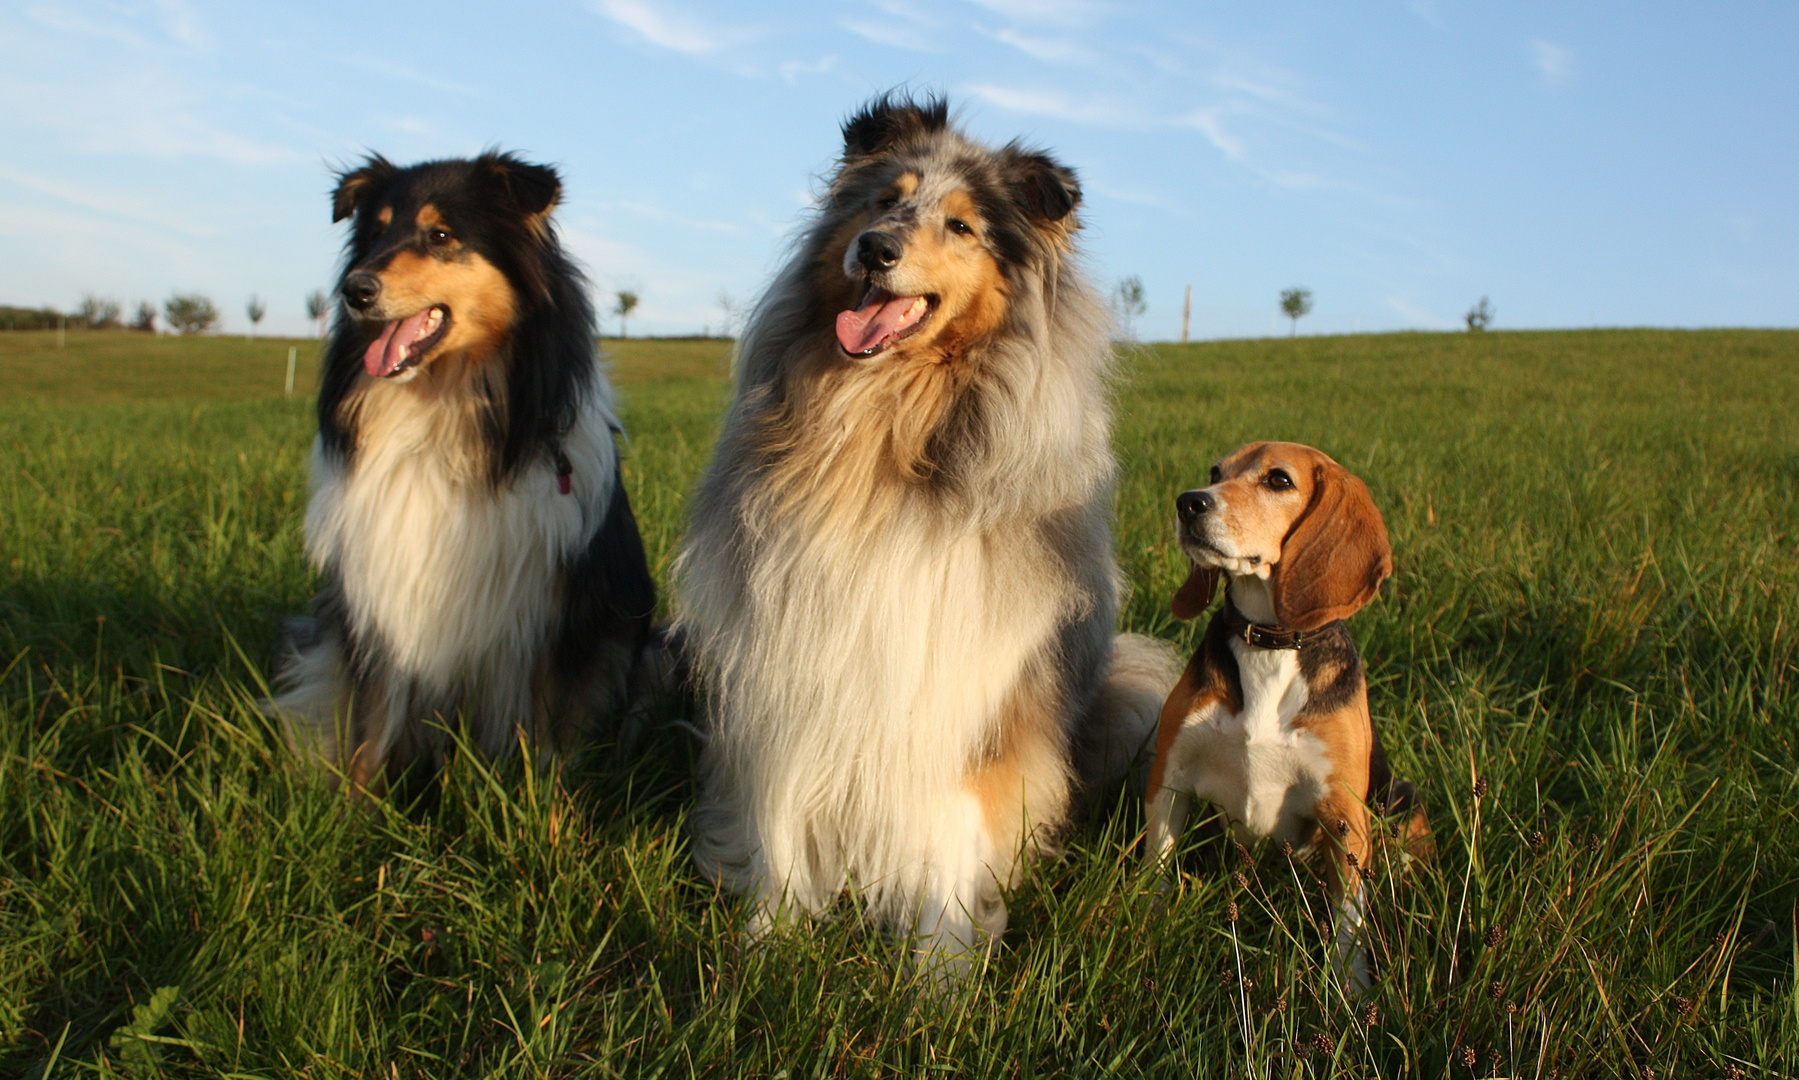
1259	635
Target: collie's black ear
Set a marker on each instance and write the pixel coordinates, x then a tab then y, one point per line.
358	186
534	189
1047	188
890	118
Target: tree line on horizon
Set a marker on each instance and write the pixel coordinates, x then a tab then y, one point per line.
194	313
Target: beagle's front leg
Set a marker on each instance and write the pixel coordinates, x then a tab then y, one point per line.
1343	819
1168	806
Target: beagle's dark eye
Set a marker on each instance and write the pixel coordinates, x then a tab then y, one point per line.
1217	474
1278	480
960	227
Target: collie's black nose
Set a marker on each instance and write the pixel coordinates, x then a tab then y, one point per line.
878	250
1191	504
360	289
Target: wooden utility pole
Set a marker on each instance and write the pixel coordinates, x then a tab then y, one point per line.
1186	314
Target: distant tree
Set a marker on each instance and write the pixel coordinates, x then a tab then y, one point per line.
731	313
1479	316
14	318
627	302
1296	304
190	313
1128	299
97	313
145	319
256	309
318	303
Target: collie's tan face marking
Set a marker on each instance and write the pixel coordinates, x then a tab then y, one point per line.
917	281
479	300
467	305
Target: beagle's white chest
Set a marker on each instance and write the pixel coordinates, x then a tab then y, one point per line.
1266	775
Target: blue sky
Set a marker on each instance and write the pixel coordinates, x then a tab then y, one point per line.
1631	164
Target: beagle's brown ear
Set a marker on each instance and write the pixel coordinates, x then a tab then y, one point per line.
1195	594
1335	556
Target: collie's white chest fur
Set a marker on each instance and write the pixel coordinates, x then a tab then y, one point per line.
451	579
879	672
1264	774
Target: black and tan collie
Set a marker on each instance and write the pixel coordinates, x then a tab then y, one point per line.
480	562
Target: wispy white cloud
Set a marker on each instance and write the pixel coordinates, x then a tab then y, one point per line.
145	27
671	28
1058	105
1555	62
389	68
898	35
793	69
1269	85
101	200
137	118
657	213
1209	121
409	125
1417	316
1050	50
1054	12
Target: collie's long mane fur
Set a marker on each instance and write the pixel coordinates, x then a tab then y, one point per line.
478	557
898	582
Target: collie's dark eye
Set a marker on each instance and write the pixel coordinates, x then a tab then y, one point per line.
888	202
438	236
1217	474
960	227
1278	480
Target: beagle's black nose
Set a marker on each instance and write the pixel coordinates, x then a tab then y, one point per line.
360	289
1191	504
878	250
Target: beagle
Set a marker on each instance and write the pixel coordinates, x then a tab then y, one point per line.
1270	721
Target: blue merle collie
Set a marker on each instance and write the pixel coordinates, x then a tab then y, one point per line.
480	563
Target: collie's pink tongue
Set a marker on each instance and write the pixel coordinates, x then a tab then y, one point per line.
387	352
881	317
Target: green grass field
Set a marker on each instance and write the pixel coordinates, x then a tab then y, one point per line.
1593	619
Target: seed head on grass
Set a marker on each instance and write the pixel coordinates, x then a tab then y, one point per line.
1230	912
1370	1016
1469	1057
1481	787
1324	1044
1239	880
1494	935
1496	990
